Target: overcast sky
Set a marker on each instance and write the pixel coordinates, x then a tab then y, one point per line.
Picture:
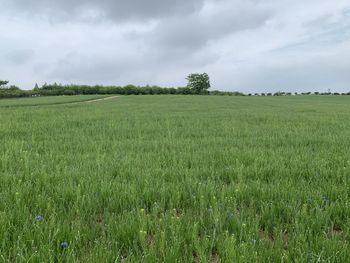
245	45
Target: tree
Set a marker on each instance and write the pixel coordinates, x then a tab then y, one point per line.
3	82
14	88
198	83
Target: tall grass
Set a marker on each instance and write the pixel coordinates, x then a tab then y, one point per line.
176	179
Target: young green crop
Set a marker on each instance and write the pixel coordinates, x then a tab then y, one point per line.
176	179
38	101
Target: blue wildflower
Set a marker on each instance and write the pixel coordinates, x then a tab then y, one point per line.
64	244
325	200
37	218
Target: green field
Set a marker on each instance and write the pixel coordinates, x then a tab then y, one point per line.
54	100
175	179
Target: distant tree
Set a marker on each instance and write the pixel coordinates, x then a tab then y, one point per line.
3	83
199	83
14	88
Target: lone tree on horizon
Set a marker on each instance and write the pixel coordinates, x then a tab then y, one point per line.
199	83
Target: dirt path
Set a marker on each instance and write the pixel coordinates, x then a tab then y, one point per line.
96	100
107	98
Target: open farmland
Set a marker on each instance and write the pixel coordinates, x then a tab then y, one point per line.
54	100
175	179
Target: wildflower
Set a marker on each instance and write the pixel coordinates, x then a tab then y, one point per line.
325	200
37	218
64	244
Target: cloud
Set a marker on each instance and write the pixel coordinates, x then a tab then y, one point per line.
211	23
118	10
20	56
245	45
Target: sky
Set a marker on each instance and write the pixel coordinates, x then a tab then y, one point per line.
244	45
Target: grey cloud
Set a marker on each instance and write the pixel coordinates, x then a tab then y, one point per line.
311	74
196	30
185	40
118	10
77	67
147	67
19	56
246	45
308	77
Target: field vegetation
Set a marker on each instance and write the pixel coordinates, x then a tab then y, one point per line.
175	179
24	102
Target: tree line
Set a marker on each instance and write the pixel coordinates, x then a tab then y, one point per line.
198	84
73	89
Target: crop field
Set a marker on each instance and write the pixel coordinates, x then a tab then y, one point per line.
175	179
54	100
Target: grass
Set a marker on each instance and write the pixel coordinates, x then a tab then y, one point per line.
176	179
54	100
